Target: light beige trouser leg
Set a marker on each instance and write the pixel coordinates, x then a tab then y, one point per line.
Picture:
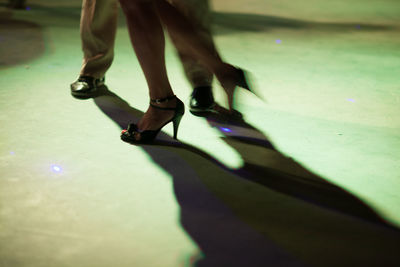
98	28
198	11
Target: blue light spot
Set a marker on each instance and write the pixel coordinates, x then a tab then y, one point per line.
358	26
28	8
12	153
278	41
227	130
56	168
351	100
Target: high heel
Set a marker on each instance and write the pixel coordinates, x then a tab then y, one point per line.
236	77
242	80
134	136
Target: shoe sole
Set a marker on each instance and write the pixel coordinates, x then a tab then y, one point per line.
202	113
92	94
84	96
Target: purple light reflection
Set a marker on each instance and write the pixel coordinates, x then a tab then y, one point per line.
224	129
56	168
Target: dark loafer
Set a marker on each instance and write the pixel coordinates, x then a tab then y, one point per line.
86	86
202	101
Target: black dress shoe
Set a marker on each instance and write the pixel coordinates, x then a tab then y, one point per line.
202	101
86	86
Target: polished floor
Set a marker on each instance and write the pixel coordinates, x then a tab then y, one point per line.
309	177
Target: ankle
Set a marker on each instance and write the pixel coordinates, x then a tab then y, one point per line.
167	102
156	101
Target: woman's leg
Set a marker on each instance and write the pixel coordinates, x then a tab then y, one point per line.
148	41
187	35
191	41
198	12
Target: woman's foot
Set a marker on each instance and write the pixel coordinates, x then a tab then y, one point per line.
155	118
159	113
231	77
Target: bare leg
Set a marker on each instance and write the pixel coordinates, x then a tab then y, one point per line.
187	36
143	18
190	41
198	12
148	41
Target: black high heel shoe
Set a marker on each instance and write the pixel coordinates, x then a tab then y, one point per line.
236	78
134	136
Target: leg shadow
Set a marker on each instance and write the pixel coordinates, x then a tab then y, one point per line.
270	212
265	165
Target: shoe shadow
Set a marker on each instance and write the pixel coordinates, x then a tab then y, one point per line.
270	212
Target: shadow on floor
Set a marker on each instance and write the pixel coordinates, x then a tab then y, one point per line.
271	212
225	23
20	41
16	34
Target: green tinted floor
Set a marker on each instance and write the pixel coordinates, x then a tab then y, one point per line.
310	177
